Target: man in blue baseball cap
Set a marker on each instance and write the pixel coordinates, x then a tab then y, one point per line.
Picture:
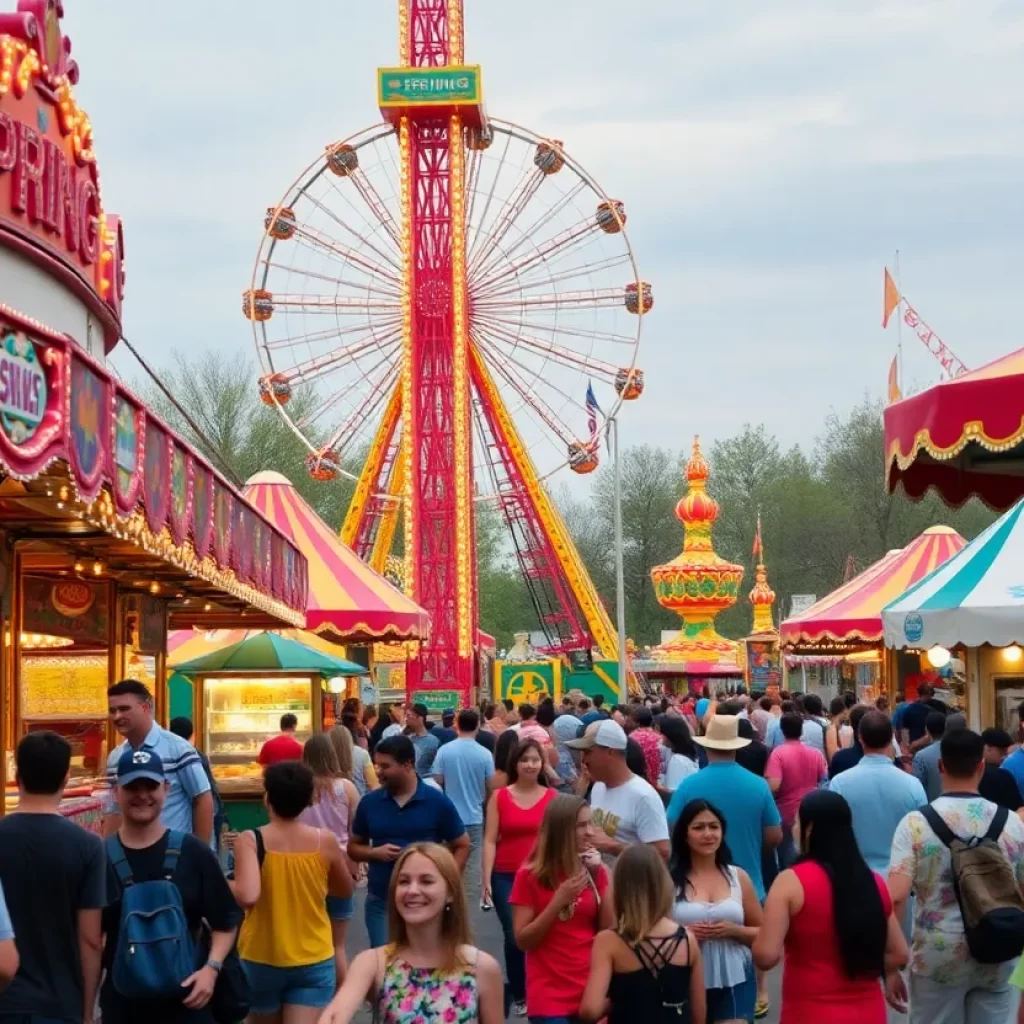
141	787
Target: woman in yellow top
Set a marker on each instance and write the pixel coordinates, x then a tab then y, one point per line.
284	873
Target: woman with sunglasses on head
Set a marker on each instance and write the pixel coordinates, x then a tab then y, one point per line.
831	916
716	900
512	824
430	973
560	901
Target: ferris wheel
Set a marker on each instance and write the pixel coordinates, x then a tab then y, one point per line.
554	300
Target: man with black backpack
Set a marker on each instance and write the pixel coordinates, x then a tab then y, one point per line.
963	857
161	886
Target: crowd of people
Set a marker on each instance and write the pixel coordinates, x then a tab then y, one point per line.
646	862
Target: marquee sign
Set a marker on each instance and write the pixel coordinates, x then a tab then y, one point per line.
50	203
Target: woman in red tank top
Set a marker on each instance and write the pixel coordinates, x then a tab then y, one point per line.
832	916
512	824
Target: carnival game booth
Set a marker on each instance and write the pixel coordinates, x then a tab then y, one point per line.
111	527
241	692
973	606
963	437
848	622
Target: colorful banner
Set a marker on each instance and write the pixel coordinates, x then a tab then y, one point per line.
58	404
90	426
156	476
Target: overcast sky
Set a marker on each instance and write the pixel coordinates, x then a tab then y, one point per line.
772	155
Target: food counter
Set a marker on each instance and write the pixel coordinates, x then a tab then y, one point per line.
236	715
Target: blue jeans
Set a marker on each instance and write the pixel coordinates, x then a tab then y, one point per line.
376	914
787	850
515	959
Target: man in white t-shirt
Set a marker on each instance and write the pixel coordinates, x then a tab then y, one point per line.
625	809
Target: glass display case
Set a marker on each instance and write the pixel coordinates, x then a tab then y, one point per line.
241	714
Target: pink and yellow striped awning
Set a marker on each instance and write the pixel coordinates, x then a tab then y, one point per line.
188	644
348	601
853	614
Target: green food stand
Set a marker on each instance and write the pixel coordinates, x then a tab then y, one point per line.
239	694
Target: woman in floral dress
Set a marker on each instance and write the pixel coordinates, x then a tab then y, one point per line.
430	973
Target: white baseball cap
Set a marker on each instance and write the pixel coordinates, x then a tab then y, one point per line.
606	733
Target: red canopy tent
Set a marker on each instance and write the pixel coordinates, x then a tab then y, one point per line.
850	618
963	437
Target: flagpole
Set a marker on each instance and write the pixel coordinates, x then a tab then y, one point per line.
902	383
620	572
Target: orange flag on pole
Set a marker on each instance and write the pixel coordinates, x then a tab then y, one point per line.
894	382
891	300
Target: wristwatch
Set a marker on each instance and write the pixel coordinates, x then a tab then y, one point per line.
216	965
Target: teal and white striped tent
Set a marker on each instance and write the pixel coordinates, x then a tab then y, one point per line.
975	598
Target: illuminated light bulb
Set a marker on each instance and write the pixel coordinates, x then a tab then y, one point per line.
154	587
336	685
1012	654
938	656
207	607
79	567
97	568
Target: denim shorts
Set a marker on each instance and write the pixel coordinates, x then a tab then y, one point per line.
274	987
341	908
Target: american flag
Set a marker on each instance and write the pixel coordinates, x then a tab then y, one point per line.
592	412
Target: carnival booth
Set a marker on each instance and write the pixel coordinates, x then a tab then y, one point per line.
848	622
241	692
973	606
963	437
111	527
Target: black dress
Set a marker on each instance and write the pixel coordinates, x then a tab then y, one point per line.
658	992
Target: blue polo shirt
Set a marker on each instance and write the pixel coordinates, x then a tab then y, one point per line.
880	796
746	803
427	817
184	770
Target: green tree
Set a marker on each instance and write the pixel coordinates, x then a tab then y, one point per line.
238	433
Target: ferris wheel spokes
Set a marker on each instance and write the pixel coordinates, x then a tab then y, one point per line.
341	395
568	357
520	285
392	259
369	288
385	324
524	325
372	198
339	305
473	242
342	438
311	238
313	369
513	207
593	298
531	399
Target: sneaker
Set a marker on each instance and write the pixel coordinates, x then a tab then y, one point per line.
519	1008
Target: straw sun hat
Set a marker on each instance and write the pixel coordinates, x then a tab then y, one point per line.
723	734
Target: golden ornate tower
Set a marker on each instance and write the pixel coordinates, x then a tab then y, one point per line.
698	584
762	597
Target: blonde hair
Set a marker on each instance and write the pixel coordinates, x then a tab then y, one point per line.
644	892
341	740
556	856
454	918
318	754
